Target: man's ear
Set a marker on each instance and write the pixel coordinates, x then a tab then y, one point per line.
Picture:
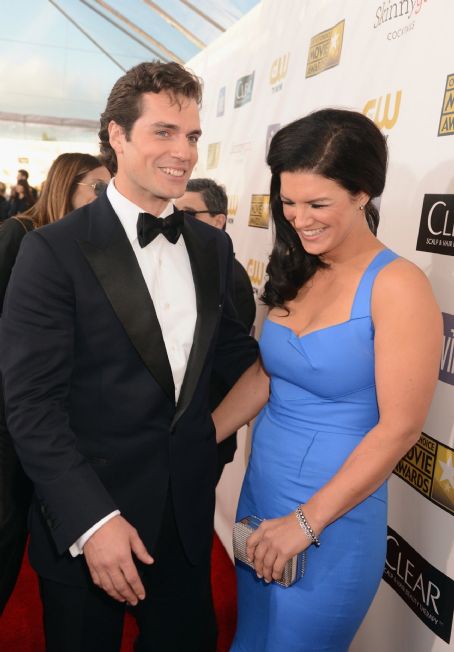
219	220
116	137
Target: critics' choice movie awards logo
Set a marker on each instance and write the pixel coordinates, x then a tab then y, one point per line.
436	229
325	50
220	107
259	214
447	354
428	467
446	126
384	110
398	16
214	152
243	90
426	590
278	72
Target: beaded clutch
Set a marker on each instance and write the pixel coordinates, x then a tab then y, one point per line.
294	568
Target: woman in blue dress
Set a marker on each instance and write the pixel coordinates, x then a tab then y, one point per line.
349	362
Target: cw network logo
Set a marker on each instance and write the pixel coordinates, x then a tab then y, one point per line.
232	207
278	72
379	110
256	272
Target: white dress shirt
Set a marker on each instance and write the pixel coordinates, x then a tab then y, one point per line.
167	272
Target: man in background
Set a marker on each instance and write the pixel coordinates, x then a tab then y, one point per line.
23	174
3	202
207	201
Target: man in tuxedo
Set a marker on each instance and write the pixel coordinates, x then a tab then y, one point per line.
113	321
207	201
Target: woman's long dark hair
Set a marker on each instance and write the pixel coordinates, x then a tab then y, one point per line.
341	145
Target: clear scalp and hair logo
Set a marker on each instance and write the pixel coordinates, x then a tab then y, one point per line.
384	111
325	50
243	90
447	355
446	126
436	229
425	589
428	468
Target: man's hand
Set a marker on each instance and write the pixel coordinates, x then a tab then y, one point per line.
109	558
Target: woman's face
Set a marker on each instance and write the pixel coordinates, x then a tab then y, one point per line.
85	190
323	213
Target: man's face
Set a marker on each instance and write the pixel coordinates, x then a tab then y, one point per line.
155	164
193	202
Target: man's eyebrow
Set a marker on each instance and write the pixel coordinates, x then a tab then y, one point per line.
173	127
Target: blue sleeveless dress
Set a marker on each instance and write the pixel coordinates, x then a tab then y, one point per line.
322	403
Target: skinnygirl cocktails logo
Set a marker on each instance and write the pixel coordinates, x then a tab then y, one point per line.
399	16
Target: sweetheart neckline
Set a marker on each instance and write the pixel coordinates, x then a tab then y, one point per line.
318	330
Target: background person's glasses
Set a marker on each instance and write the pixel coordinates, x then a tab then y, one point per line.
98	187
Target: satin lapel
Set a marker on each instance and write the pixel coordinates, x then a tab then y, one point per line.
204	258
117	270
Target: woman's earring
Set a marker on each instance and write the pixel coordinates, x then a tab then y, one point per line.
361	208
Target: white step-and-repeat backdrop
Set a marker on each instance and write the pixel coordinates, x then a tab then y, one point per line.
394	61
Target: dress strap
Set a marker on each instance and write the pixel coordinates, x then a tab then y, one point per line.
361	302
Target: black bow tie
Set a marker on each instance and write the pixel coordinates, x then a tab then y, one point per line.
149	226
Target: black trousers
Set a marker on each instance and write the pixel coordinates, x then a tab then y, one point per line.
15	496
177	614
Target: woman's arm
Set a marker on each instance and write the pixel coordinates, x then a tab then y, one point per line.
243	402
408	335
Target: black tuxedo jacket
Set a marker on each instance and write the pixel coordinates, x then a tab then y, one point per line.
89	389
244	302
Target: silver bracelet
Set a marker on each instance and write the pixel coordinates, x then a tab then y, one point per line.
304	524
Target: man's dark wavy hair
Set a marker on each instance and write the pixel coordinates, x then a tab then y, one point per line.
124	102
338	144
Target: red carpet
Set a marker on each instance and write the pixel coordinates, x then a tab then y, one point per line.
21	629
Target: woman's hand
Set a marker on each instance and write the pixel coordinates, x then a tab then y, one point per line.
273	544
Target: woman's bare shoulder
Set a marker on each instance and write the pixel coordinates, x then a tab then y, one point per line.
401	286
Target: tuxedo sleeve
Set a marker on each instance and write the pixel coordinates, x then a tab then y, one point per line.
236	350
11	235
36	358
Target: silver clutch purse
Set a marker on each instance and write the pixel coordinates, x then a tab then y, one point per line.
294	568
